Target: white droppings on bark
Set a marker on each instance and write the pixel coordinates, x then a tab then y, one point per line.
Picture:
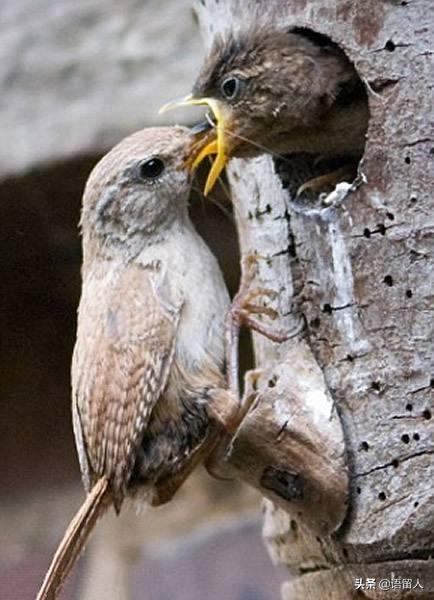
377	200
345	302
338	194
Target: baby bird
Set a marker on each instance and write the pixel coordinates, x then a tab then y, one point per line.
280	92
149	393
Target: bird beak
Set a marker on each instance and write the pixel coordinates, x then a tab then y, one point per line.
217	146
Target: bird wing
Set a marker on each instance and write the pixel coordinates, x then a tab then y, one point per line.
125	346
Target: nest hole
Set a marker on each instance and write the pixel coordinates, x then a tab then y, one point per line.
405	438
340	162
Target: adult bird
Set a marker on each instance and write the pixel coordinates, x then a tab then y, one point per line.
281	92
154	368
149	391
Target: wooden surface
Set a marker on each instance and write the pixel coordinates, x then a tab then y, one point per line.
360	270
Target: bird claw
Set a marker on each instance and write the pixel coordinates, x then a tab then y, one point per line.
240	313
243	305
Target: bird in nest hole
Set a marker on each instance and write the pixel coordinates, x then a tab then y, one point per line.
284	93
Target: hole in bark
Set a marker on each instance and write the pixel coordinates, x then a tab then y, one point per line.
416	437
364	446
381	228
395	463
409	407
407	160
388	280
349	358
309	162
416	504
426	414
405	438
327	309
413	199
431	382
408	293
358	490
431	151
367	232
382	496
285	484
315	323
293	525
272	381
390	216
390	46
376	386
345	552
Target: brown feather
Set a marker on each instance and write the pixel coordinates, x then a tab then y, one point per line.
74	539
125	345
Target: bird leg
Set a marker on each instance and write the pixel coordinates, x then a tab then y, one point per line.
227	407
327	181
240	314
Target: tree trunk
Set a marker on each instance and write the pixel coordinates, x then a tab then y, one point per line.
359	267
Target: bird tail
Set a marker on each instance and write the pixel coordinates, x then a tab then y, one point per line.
74	539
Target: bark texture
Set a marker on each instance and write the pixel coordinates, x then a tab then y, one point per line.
359	267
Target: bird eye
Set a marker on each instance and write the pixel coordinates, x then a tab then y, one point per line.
151	168
230	87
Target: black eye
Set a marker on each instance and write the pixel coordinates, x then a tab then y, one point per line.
230	87
151	168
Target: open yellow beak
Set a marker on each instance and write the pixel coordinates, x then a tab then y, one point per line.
217	146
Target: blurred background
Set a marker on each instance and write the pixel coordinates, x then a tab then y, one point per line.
75	77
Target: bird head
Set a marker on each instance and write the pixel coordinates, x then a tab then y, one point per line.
230	84
256	83
140	187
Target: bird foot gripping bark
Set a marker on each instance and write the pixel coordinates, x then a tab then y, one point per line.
229	407
242	313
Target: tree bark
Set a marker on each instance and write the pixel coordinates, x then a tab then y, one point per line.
359	267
